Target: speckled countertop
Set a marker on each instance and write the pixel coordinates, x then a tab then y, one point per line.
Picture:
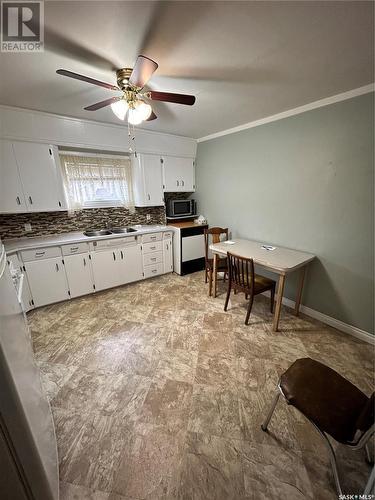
17	244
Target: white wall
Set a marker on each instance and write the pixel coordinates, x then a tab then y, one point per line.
36	126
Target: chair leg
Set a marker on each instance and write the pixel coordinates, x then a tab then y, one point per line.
369	458
210	283
251	300
227	297
205	275
264	426
272	298
332	457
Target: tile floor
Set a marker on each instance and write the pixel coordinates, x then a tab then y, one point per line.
159	394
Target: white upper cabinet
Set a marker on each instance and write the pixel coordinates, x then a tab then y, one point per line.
178	174
12	199
40	173
147	180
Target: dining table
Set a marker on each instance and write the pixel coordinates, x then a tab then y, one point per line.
277	259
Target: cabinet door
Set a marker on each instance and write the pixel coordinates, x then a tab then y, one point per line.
167	256
11	195
106	269
131	263
79	275
178	174
47	281
187	174
153	178
147	180
38	165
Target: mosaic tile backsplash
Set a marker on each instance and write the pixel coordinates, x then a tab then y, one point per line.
44	223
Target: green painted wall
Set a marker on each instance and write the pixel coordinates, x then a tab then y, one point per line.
304	182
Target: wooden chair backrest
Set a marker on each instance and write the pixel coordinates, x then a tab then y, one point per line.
215	233
241	272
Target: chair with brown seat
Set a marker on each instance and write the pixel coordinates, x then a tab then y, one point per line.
331	403
243	279
217	234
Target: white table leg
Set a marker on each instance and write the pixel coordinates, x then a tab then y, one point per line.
215	275
279	298
299	291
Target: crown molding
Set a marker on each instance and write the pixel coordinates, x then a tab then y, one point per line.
366	89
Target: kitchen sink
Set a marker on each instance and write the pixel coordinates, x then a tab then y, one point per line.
117	230
105	232
97	232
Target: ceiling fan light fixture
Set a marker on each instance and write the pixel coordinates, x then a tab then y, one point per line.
120	108
138	112
144	110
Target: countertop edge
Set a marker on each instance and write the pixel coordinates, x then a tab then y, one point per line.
12	245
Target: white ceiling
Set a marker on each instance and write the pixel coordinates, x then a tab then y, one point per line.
243	60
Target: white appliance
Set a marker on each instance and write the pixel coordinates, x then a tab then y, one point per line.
28	452
189	249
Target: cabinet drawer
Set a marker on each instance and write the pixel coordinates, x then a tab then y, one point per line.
114	242
153	270
167	236
149	238
75	248
157	246
152	258
40	253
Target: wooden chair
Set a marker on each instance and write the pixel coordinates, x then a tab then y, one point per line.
332	404
243	279
216	234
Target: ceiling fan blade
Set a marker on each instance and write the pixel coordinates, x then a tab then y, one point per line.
142	71
102	104
189	100
86	79
151	117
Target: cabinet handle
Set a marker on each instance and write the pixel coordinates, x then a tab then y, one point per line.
73	249
84	261
183	183
153	258
177	182
59	203
114	256
18	200
149	197
167	246
122	255
152	248
57	267
30	200
40	253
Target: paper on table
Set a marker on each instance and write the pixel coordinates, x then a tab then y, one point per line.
269	248
229	242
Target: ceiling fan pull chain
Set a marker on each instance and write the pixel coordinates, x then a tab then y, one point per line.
131	139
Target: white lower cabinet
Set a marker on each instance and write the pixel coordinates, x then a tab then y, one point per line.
167	255
105	268
79	275
47	281
131	263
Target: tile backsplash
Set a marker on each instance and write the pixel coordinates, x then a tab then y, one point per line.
44	223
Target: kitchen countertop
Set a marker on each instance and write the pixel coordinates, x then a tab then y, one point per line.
185	224
18	244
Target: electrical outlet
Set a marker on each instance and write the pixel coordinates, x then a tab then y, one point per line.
28	227
148	217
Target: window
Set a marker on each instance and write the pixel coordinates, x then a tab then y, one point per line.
94	181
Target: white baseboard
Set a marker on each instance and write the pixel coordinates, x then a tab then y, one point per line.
328	320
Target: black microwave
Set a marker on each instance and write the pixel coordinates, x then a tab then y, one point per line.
181	208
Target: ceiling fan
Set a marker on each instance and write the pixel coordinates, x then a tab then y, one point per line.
131	82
